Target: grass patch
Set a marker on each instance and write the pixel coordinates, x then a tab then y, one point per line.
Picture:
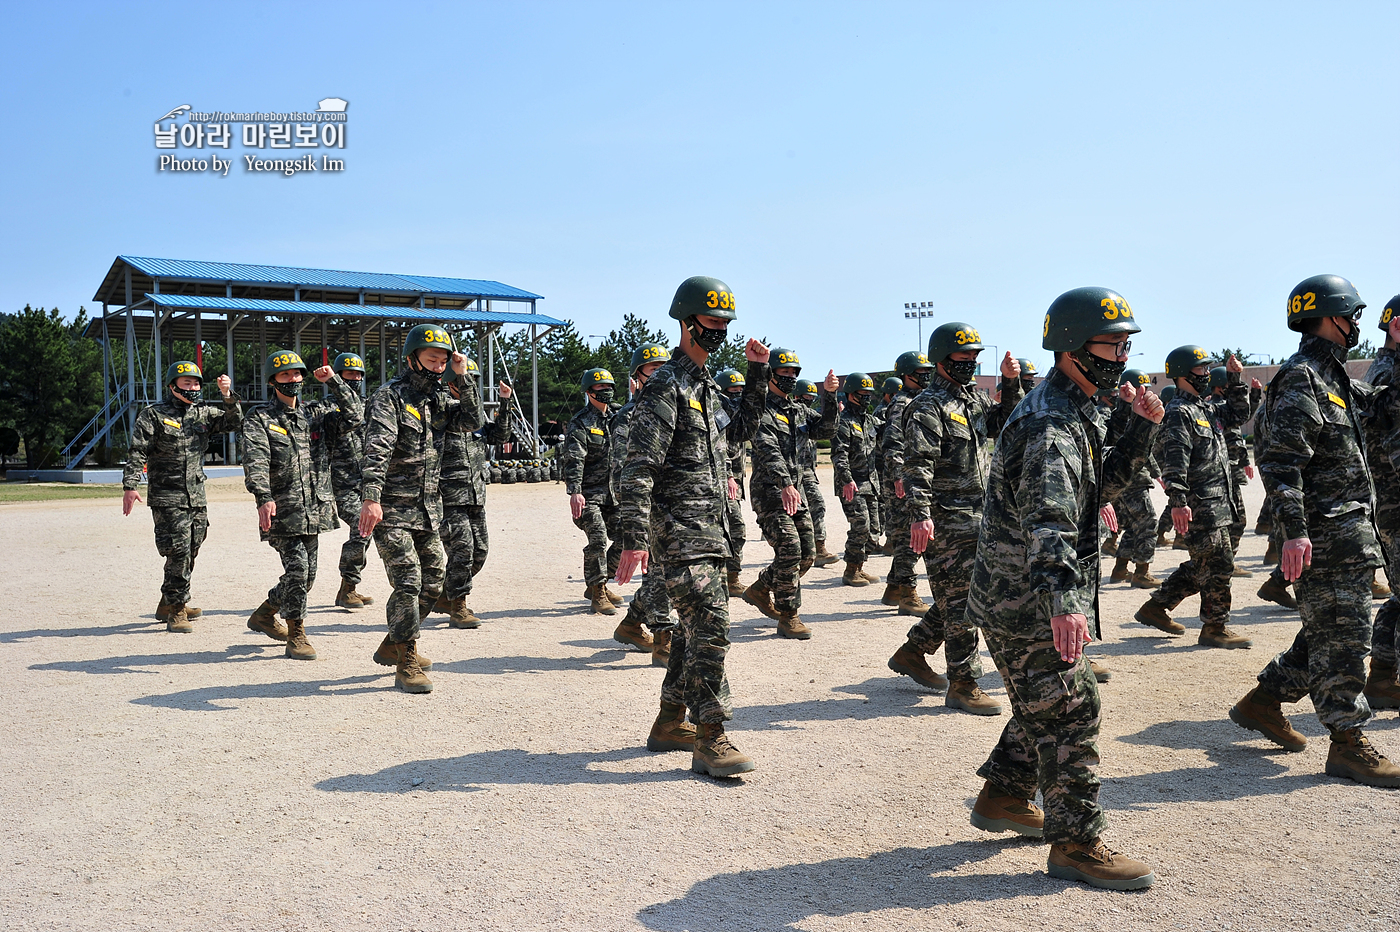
54	491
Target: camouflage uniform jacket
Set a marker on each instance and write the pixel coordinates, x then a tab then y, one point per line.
1383	446
346	443
892	440
675	477
406	423
587	466
1040	524
945	430
806	446
464	465
736	445
1314	463
1196	460
853	451
170	440
1118	422
285	459
777	447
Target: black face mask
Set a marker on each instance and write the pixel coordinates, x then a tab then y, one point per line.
708	339
1103	373
605	395
1353	334
356	385
961	371
1027	384
1201	383
193	396
918	378
858	403
290	389
785	383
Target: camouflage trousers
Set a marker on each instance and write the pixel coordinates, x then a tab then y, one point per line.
465	544
1327	659
651	606
860	539
816	504
736	532
695	673
1385	640
949	558
897	523
352	552
1237	499
1206	571
603	548
298	573
415	564
180	532
794	551
1050	741
1136	520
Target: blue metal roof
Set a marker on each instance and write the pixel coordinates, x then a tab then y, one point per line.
292	276
375	311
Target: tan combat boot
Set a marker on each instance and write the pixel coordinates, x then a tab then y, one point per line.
347	597
1352	756
298	647
1259	711
409	676
1240	572
1154	615
1215	634
1143	578
443	604
1382	690
670	731
790	626
998	811
1379	590
1098	866
264	619
969	697
164	609
1162	540
910	603
891	596
909	661
1271	554
735	587
867	576
632	633
1276	592
1102	674
661	648
1179	543
387	654
1110	546
1120	570
761	597
824	557
853	576
716	755
614	597
599	603
178	620
459	616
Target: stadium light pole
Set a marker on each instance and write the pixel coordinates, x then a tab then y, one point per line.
918	310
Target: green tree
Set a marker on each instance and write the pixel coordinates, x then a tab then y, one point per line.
730	355
615	353
36	380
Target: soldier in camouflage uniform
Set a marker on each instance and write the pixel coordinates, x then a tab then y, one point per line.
888	390
945	475
169	442
347	445
672	492
463	484
1035	587
731	383
651	606
811	488
1383	446
286	466
1137	517
913	369
407	422
587	471
1320	491
779	497
1196	470
853	469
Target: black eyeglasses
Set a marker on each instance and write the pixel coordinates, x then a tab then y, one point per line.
1119	349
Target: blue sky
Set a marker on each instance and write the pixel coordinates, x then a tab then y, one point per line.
828	161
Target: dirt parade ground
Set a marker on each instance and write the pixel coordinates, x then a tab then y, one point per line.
203	781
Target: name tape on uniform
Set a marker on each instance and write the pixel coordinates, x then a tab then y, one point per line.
413	411
170	423
276	429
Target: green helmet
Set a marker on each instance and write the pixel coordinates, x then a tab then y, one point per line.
648	353
283	361
858	382
782	358
1078	315
1392	307
348	361
1028	369
701	294
1322	296
1168	393
180	369
427	336
1218	377
911	362
595	377
951	338
729	379
805	390
1183	359
891	386
1134	377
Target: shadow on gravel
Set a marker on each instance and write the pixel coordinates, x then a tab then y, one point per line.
470	773
135	627
205	698
908	878
604	659
877	697
134	663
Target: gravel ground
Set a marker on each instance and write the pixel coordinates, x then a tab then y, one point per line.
205	782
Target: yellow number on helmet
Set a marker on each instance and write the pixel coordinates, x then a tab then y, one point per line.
1295	304
1308	300
712	299
1112	312
1387	314
1046	332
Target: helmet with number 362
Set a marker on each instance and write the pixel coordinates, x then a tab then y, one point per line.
1322	296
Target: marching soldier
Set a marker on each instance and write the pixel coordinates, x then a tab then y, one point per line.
287	468
1382	689
779	497
945	478
853	469
587	470
407	421
731	383
169	442
1035	588
1136	515
347	449
1196	470
913	369
816	503
1322	498
675	480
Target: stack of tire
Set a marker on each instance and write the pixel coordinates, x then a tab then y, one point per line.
507	471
